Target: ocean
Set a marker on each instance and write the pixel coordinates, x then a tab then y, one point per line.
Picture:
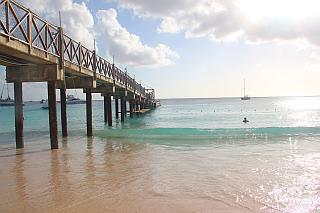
189	155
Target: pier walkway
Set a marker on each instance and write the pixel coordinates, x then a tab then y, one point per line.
33	50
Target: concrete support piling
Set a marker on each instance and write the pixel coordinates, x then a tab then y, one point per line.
89	112
53	114
64	123
18	114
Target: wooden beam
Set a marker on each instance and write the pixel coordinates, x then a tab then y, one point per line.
89	112
34	73
53	114
105	106
103	90
131	108
77	83
109	108
18	100
64	123
116	104
123	112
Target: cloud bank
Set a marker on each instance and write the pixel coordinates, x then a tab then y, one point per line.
128	47
78	22
233	20
77	19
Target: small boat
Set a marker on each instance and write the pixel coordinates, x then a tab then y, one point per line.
158	103
42	101
45	104
73	100
245	97
6	101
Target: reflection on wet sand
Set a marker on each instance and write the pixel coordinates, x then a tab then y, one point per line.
20	179
93	175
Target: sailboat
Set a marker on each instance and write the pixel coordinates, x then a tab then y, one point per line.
245	97
6	101
45	104
73	100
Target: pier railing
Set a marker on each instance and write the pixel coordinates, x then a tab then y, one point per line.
21	24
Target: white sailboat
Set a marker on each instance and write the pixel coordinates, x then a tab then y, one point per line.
45	104
73	100
6	101
245	97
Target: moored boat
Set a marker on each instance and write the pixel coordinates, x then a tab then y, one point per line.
73	100
245	97
44	104
6	101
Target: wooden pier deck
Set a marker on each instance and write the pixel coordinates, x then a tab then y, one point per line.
33	50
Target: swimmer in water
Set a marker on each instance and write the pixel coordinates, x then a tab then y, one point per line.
245	120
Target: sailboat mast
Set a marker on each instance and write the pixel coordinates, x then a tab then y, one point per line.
8	92
2	91
244	87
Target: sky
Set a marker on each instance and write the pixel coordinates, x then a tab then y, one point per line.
203	48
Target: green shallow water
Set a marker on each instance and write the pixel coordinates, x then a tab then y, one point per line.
187	119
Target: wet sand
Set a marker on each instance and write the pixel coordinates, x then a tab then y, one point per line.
87	177
99	175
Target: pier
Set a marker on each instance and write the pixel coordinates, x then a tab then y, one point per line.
33	50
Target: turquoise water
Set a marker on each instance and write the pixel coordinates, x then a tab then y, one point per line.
189	155
184	119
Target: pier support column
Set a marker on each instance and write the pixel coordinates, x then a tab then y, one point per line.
105	107
89	112
64	123
116	104
131	108
18	102
109	110
53	114
123	108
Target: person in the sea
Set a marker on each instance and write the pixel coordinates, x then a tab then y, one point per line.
245	120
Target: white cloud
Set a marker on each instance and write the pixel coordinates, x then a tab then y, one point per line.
313	63
295	21
78	22
128	48
169	25
77	19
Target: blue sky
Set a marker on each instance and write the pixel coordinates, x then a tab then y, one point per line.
201	52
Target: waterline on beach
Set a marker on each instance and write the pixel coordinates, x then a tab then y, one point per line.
175	159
